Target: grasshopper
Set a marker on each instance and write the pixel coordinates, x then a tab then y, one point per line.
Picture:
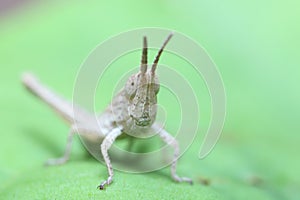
132	111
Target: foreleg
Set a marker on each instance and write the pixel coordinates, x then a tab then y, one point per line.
106	144
170	140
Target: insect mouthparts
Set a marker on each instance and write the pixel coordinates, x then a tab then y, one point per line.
142	121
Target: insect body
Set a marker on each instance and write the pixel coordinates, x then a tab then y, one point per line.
132	111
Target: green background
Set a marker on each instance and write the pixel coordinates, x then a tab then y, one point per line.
255	45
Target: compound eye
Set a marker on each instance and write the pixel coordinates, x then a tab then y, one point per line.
131	87
155	88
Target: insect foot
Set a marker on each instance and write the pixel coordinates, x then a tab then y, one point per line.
105	183
182	179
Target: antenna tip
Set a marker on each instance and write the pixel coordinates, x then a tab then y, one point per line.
145	41
169	36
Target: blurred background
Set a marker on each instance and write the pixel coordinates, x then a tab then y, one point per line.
255	45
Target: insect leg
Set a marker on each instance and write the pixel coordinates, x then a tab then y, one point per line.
86	131
170	140
106	144
66	156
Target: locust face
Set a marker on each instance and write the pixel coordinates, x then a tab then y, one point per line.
142	95
141	90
